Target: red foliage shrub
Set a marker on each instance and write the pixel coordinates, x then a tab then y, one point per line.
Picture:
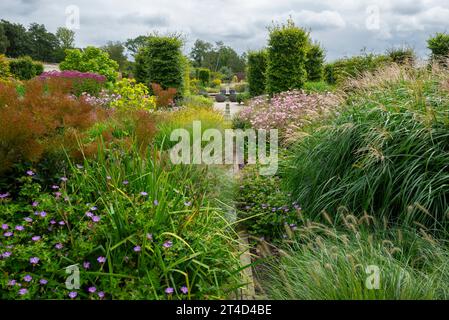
164	98
32	125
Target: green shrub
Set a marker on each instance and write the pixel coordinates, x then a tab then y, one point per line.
4	67
186	75
25	68
315	62
262	204
325	264
402	56
318	86
90	59
286	58
197	101
386	153
342	69
243	97
160	61
240	87
439	45
204	76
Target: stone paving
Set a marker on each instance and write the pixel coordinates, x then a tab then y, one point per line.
233	107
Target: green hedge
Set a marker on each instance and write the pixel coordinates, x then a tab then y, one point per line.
257	66
315	62
287	49
25	68
439	45
342	69
160	61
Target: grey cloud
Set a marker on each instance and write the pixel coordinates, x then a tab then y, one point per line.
338	25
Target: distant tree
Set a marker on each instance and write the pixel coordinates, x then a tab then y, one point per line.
18	38
44	44
206	55
4	43
116	52
66	38
133	45
439	45
199	51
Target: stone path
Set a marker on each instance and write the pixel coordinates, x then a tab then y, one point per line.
234	107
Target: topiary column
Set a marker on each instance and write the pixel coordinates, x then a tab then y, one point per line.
287	49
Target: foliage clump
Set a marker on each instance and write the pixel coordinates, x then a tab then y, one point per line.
287	56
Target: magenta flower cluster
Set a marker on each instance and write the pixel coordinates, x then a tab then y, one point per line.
72	74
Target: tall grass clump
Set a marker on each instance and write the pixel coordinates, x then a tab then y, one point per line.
135	225
385	153
323	263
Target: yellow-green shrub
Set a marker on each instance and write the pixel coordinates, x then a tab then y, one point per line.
133	96
4	67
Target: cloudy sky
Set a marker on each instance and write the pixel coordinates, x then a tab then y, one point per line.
343	27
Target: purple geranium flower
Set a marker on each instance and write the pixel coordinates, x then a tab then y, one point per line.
23	291
12	282
59	246
150	236
155	202
43	282
101	294
137	249
92	289
125	182
96	219
43	214
8	234
4	195
55	187
184	289
27	278
36	238
168	244
20	228
143	193
64	179
86	265
89	214
101	259
30	173
61	223
52	222
34	260
6	254
35	204
72	294
5	226
169	290
28	219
